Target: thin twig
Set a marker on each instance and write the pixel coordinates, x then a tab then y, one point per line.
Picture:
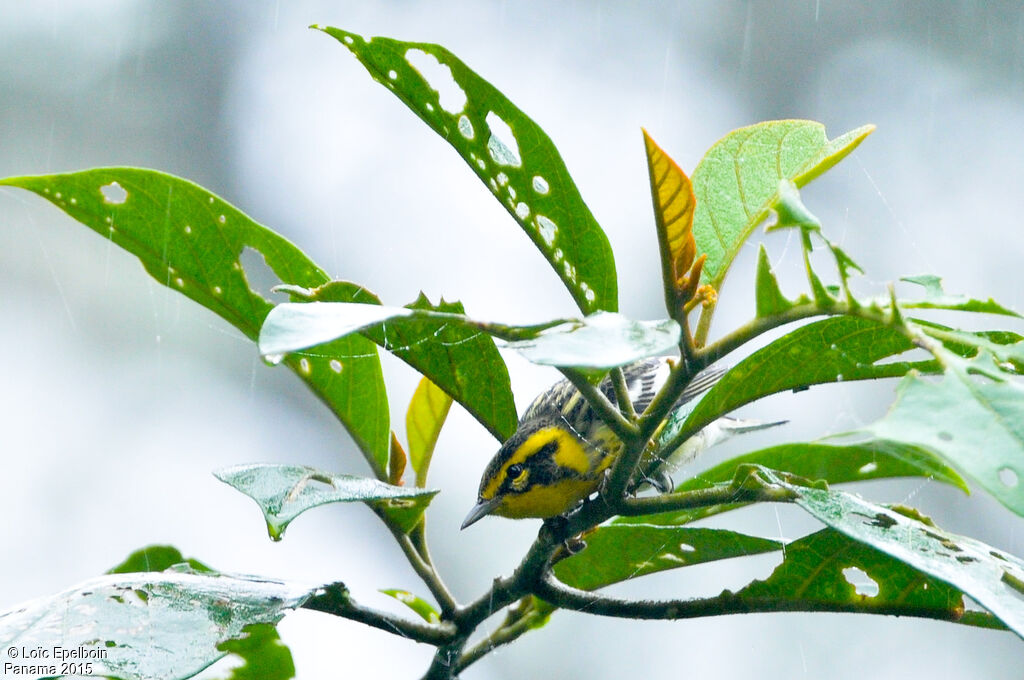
622	428
425	570
335	599
625	403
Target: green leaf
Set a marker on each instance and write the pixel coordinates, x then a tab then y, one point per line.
769	298
790	210
265	657
977	425
993	578
510	154
616	553
827	569
425	610
838	348
738	181
600	341
150	626
190	241
428	409
936	298
833	463
157	558
283	492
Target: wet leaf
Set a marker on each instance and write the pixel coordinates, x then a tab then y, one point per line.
156	558
425	610
510	154
602	340
832	463
150	626
263	654
460	359
191	241
283	492
617	552
428	409
974	423
737	181
990	576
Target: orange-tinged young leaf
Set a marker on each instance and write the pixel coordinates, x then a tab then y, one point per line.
396	461
674	202
428	409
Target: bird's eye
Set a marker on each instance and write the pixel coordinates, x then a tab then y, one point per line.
515	470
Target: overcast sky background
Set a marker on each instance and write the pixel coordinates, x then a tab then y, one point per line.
119	396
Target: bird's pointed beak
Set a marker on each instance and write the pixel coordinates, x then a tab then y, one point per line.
481	509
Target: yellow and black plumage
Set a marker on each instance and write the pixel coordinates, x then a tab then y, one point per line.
561	450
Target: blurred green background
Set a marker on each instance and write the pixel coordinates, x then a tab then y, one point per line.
119	397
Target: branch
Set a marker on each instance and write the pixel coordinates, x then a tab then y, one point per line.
425	570
335	599
625	403
606	411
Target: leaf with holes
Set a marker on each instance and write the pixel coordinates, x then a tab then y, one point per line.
283	492
833	463
738	180
600	341
428	409
994	579
150	626
976	425
190	240
829	571
510	154
617	553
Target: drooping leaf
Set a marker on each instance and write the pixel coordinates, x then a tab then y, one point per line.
191	241
827	570
993	578
937	298
156	558
510	154
460	359
150	626
616	552
674	201
738	180
832	463
428	409
425	610
283	492
265	657
975	424
599	341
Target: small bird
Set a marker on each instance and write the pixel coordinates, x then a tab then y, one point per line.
561	449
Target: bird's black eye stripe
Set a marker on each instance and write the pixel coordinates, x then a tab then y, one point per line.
548	449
